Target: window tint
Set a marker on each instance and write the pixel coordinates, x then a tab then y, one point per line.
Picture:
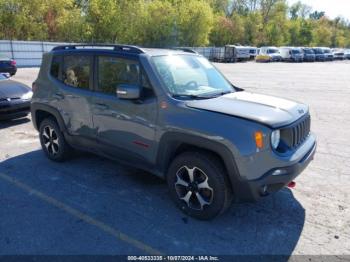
55	66
113	71
76	71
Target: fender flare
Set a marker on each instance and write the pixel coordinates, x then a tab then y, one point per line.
171	141
49	109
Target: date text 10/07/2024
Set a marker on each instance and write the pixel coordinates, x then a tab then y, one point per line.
173	258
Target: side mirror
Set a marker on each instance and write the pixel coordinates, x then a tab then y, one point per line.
128	91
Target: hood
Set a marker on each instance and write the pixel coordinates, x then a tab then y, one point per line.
12	89
269	110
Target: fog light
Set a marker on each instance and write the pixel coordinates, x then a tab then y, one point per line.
263	191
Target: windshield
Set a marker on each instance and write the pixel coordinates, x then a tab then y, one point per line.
272	51
308	51
327	51
295	51
188	75
318	51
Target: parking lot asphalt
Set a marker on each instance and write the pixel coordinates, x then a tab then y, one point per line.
90	205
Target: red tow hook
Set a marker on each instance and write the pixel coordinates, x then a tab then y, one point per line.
291	184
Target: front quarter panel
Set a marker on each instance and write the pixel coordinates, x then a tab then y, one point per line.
233	133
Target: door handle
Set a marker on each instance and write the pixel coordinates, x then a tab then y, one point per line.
58	96
101	106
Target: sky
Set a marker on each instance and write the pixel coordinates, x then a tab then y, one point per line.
333	8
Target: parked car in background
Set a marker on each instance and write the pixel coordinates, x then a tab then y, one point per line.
291	54
319	54
308	54
253	51
328	53
262	58
15	98
338	54
347	54
217	54
272	52
7	65
150	108
235	53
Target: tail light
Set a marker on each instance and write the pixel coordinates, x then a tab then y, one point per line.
291	184
13	62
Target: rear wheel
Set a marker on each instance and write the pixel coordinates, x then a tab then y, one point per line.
198	185
52	141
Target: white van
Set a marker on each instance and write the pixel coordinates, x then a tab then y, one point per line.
272	51
292	54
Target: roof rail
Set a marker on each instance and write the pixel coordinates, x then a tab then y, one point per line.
116	47
185	49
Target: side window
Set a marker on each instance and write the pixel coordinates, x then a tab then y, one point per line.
113	71
55	66
76	71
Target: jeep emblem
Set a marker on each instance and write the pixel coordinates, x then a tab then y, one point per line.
301	111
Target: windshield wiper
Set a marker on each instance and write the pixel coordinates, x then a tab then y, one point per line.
190	96
202	96
219	94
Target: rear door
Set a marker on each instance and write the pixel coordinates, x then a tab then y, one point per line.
125	128
74	93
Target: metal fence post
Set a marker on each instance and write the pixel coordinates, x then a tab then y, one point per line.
12	52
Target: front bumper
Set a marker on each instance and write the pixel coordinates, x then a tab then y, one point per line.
12	70
14	109
276	58
309	58
275	179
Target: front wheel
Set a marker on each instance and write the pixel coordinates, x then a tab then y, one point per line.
198	184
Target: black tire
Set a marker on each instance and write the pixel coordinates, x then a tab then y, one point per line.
56	148
219	198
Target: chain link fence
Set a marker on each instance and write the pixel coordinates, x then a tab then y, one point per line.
29	53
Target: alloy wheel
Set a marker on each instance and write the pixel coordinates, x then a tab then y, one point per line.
50	140
192	187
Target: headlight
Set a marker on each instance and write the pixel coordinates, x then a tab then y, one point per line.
27	95
275	138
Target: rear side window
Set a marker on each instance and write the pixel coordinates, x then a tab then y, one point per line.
76	71
55	66
113	71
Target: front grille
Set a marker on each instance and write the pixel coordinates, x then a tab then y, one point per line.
296	134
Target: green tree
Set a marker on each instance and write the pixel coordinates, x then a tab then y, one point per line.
227	31
194	22
306	33
322	34
276	27
159	24
103	21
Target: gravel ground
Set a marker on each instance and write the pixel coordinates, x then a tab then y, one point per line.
90	205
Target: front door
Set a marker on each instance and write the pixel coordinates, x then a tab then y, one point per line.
125	128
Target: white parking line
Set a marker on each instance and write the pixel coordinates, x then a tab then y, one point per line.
76	213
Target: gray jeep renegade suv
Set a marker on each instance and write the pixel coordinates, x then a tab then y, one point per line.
170	112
